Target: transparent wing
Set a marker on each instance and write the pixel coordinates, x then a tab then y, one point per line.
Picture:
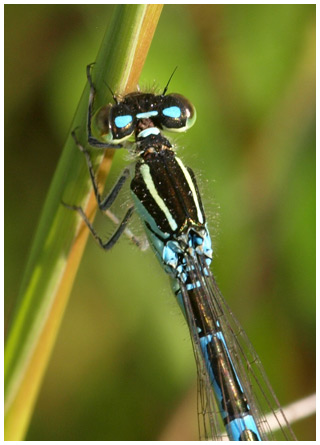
245	362
209	419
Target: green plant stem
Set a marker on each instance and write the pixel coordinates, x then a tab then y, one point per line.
60	239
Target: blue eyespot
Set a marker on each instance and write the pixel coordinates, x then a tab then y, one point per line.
123	121
173	112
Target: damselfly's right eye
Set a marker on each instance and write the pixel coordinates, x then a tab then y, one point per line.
177	113
115	123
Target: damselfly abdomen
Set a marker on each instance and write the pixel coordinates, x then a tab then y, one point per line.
234	393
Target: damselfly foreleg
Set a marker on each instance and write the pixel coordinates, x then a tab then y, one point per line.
94	142
106	202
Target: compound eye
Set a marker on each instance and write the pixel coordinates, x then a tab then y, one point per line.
121	122
177	113
113	123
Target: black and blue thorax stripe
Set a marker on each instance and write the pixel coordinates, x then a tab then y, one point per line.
166	189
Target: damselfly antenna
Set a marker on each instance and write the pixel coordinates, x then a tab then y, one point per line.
166	87
112	93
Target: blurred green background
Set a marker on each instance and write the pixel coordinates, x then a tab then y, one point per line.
123	367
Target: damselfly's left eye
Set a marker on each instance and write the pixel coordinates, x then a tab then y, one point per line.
177	113
114	123
122	123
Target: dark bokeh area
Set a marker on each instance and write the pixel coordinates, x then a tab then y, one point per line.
123	367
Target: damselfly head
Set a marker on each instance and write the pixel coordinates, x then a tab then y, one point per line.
120	121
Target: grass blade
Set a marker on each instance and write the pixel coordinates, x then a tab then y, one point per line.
54	256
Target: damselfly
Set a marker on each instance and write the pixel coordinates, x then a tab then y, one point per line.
234	393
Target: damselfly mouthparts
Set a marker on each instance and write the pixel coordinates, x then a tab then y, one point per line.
234	392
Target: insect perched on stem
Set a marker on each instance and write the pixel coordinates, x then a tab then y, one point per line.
234	392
